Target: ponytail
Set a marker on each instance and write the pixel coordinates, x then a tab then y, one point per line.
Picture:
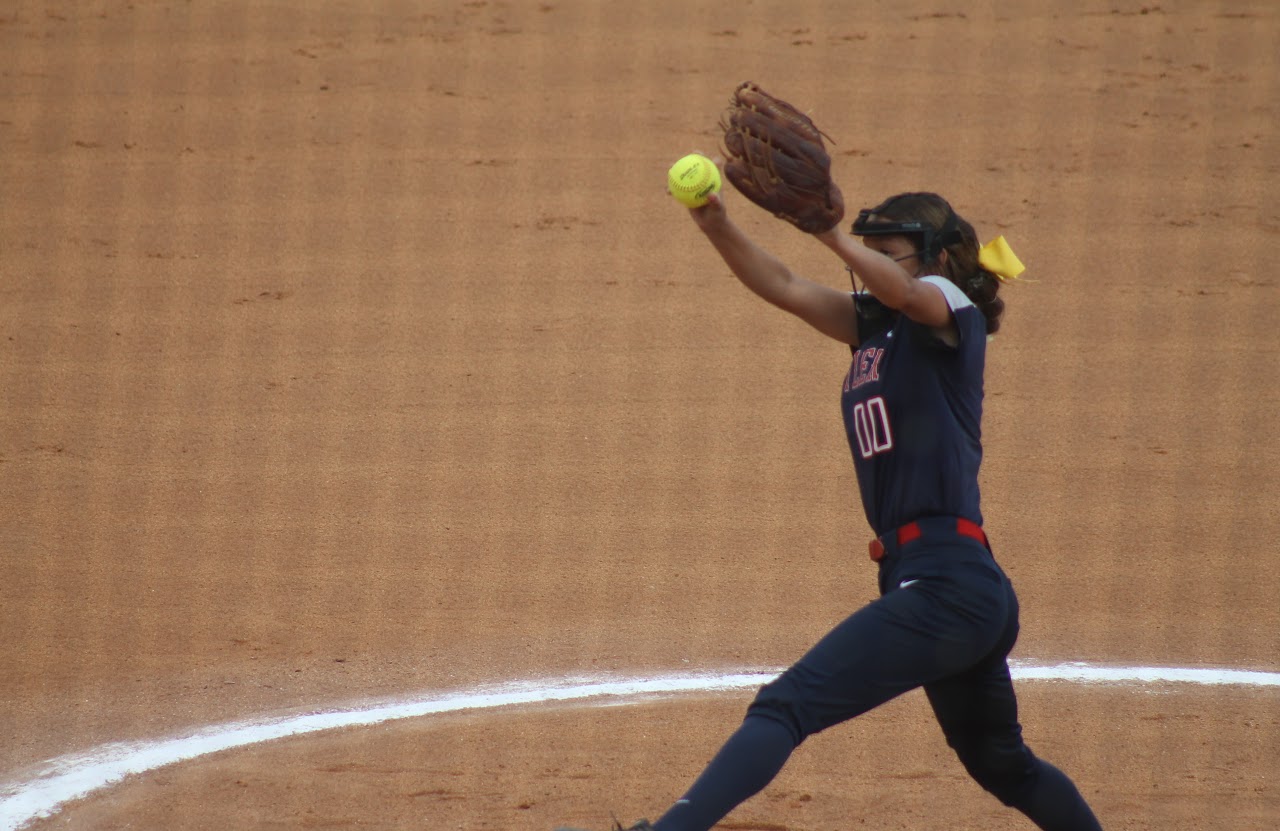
981	286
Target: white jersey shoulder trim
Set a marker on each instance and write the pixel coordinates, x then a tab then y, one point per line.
956	298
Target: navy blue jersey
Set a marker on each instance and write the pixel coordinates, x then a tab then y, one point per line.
912	408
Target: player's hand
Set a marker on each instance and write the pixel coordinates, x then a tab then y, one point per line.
712	215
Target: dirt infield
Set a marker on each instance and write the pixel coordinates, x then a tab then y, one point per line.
354	349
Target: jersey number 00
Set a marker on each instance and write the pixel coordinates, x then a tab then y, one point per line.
871	427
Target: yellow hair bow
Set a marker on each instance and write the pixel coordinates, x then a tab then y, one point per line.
998	258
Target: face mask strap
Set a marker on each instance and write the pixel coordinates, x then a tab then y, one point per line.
932	240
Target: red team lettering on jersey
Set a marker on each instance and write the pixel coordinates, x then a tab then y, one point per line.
864	369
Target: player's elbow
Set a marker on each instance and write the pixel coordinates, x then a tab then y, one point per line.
924	303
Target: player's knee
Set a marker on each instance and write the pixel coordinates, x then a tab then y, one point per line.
778	702
1004	768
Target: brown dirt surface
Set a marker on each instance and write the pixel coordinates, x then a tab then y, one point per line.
353	350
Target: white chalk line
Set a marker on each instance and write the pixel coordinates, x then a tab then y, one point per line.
66	778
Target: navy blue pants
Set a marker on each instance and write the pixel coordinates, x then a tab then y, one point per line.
946	620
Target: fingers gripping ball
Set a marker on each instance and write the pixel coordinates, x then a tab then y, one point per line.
692	179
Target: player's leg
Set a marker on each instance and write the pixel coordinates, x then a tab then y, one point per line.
978	712
748	761
881	651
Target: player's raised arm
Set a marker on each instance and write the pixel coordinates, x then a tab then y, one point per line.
776	159
880	267
826	309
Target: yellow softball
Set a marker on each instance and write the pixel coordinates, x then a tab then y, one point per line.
692	179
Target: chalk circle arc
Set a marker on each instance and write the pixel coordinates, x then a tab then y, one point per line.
67	778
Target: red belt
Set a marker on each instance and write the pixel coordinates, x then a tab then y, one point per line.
912	531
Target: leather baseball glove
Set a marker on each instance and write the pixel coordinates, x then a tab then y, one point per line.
776	158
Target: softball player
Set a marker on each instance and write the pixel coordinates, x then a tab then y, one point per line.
947	616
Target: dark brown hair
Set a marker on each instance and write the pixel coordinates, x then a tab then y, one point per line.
957	238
